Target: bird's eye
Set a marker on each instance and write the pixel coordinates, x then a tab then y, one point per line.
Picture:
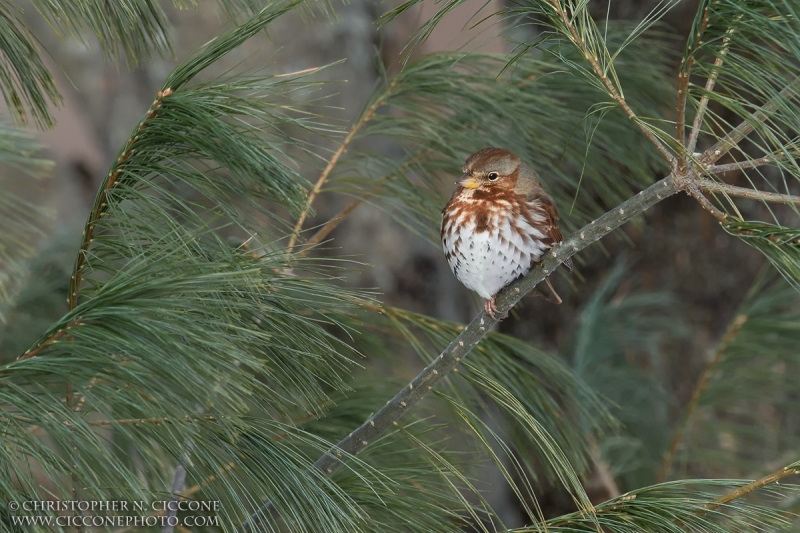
493	176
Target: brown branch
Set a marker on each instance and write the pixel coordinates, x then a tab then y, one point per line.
102	200
365	117
775	477
35	350
612	90
155	420
694	183
751	194
332	224
735	136
699	389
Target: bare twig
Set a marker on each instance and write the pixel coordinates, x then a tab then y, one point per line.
695	183
741	165
730	334
743	192
686	71
323	177
446	362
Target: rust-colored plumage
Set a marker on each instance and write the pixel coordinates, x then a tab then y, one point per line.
498	223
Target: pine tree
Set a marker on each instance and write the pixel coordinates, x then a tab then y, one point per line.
192	363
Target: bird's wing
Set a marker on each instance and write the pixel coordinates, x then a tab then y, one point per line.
553	231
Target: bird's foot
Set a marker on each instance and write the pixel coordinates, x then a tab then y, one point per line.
490	306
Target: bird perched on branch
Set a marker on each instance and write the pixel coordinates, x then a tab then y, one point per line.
498	224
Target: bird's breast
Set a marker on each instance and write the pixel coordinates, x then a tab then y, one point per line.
489	244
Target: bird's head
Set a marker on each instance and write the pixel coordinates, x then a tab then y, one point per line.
488	168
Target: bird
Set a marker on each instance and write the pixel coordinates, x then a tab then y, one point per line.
498	224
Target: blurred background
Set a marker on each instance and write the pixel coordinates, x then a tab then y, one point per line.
642	317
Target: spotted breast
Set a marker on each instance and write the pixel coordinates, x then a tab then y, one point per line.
498	223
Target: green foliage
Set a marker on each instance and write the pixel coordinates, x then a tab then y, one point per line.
677	506
780	245
583	152
24	80
749	50
617	348
746	409
22	221
545	408
129	29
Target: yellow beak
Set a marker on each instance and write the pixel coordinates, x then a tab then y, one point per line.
468	182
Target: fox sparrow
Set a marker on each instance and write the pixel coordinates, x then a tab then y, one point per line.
498	223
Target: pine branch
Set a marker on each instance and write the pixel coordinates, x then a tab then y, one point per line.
684	94
612	90
735	136
101	199
741	165
741	492
36	349
694	191
699	389
751	194
333	223
694	183
447	361
365	117
710	82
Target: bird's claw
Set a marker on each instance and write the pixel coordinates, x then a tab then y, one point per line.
490	306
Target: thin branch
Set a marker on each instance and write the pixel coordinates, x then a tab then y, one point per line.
102	200
741	165
775	477
612	90
683	84
694	183
680	123
331	225
744	192
447	361
710	82
730	334
365	117
735	136
155	420
127	421
693	189
35	350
